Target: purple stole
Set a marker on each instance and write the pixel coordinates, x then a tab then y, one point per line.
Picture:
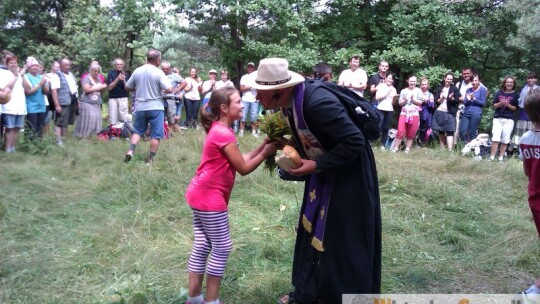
320	186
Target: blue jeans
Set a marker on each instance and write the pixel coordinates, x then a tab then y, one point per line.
468	126
386	119
12	121
153	117
251	108
192	111
179	106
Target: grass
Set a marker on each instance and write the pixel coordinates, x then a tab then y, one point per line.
78	225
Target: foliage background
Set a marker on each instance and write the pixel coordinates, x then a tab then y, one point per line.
495	37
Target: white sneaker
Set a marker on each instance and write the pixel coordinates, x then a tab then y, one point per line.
241	133
383	148
254	134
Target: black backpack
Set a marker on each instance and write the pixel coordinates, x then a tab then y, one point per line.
362	113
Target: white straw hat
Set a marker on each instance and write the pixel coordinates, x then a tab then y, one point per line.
273	73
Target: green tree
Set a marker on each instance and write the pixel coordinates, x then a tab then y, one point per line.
27	23
82	30
184	51
250	30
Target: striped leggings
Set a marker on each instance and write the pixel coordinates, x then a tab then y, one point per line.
212	236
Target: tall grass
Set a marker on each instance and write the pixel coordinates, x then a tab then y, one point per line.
78	225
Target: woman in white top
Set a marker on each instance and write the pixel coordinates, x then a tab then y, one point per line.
444	118
385	97
192	98
209	86
409	118
14	112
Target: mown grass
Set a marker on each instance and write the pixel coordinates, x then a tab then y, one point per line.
78	225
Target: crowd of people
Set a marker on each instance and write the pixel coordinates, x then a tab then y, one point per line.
31	97
339	238
452	111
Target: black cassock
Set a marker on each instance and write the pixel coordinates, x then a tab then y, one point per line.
351	261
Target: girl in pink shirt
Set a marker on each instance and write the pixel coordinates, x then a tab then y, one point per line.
209	191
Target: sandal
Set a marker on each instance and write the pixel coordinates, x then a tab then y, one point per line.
286	299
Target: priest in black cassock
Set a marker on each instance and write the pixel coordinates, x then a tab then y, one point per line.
338	244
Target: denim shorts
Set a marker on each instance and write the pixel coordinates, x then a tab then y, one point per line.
48	117
11	121
152	117
67	117
253	109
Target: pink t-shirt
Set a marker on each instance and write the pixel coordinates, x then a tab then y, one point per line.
210	188
529	152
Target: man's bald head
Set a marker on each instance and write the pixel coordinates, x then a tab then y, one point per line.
153	56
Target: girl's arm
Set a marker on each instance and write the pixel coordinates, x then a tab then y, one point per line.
481	100
242	166
496	102
202	90
402	98
45	87
28	90
431	101
415	98
255	151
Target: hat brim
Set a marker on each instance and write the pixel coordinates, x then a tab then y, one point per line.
295	79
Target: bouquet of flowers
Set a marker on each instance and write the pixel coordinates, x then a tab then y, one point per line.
275	126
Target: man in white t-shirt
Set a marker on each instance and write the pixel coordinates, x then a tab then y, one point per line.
249	100
354	78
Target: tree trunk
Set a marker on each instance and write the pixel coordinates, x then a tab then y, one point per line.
128	52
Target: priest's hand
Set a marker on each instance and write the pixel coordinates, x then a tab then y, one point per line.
308	167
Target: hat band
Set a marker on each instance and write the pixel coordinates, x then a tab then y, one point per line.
273	82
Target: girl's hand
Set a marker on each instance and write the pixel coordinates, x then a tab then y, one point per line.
269	149
308	167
